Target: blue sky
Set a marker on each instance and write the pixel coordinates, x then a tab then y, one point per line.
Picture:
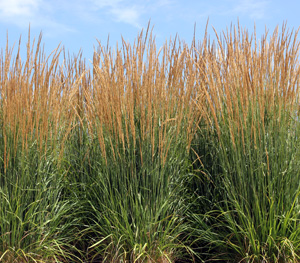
77	24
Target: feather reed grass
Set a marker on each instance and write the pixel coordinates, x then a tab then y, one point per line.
187	153
252	94
34	125
139	116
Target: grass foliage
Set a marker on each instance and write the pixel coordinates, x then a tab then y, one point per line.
189	153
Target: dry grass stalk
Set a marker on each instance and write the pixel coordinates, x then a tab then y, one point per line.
239	74
34	97
137	88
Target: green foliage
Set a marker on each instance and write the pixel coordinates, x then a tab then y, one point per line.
35	222
184	154
251	212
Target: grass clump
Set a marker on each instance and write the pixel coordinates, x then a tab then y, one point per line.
34	216
182	154
252	107
135	138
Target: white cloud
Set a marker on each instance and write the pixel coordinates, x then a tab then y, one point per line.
37	13
14	8
130	15
44	14
122	11
254	8
106	3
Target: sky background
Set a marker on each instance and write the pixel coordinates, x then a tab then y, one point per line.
77	24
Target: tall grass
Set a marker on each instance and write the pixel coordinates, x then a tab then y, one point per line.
136	133
185	153
252	107
34	218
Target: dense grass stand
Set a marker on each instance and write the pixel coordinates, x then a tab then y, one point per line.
189	153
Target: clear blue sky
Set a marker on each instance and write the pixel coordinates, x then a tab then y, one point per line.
77	24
